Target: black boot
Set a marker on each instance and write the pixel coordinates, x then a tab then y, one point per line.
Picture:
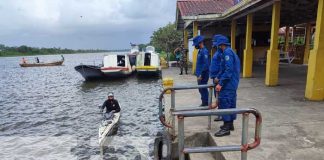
222	133
218	118
203	104
180	73
225	131
230	125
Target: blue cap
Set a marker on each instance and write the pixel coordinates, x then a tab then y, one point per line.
220	39
215	39
197	40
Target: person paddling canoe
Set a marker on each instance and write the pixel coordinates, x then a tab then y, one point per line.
111	105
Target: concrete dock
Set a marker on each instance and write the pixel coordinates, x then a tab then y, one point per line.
292	127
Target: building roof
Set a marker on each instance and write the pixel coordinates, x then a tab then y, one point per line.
201	7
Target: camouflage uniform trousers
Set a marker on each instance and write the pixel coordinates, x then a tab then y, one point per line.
183	65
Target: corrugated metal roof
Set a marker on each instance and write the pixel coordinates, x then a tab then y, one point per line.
200	7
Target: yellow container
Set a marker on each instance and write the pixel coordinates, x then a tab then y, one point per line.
167	82
163	63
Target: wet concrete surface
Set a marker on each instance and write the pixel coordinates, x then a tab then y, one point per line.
292	126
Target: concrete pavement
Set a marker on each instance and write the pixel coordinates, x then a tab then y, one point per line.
292	127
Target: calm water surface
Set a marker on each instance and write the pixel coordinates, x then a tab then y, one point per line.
51	113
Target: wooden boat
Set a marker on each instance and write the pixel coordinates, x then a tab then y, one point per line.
108	127
148	62
57	63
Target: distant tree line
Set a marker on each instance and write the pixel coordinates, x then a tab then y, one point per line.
26	51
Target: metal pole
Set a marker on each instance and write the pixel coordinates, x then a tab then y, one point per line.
210	101
172	109
245	136
181	138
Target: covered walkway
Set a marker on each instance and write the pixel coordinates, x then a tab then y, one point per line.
253	27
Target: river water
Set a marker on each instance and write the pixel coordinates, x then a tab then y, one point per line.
52	113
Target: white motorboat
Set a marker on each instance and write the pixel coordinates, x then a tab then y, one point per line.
116	65
148	62
108	127
134	51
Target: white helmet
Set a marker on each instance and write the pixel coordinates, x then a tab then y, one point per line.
110	94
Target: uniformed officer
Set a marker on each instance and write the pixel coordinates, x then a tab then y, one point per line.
215	69
177	54
228	83
183	60
202	68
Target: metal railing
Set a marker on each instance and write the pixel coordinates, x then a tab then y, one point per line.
172	109
244	147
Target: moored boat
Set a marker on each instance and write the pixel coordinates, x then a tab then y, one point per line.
148	62
134	51
116	65
108	127
89	72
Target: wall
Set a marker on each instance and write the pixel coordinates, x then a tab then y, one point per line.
259	52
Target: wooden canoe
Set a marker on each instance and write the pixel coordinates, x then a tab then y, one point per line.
57	63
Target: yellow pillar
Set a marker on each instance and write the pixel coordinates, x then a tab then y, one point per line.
186	42
233	35
185	39
315	74
248	52
287	38
195	51
272	68
307	42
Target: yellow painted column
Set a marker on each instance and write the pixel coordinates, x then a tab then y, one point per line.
195	51
307	42
186	42
287	38
233	35
248	52
272	68
315	74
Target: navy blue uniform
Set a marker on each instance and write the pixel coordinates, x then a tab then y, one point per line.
202	70
215	67
229	80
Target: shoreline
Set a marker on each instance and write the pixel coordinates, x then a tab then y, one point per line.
27	55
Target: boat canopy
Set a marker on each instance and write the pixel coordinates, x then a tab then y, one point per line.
115	61
148	59
150	49
134	49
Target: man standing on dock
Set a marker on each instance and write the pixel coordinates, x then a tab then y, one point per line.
228	83
215	70
183	60
202	68
181	57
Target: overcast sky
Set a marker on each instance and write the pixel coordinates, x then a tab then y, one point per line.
102	24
